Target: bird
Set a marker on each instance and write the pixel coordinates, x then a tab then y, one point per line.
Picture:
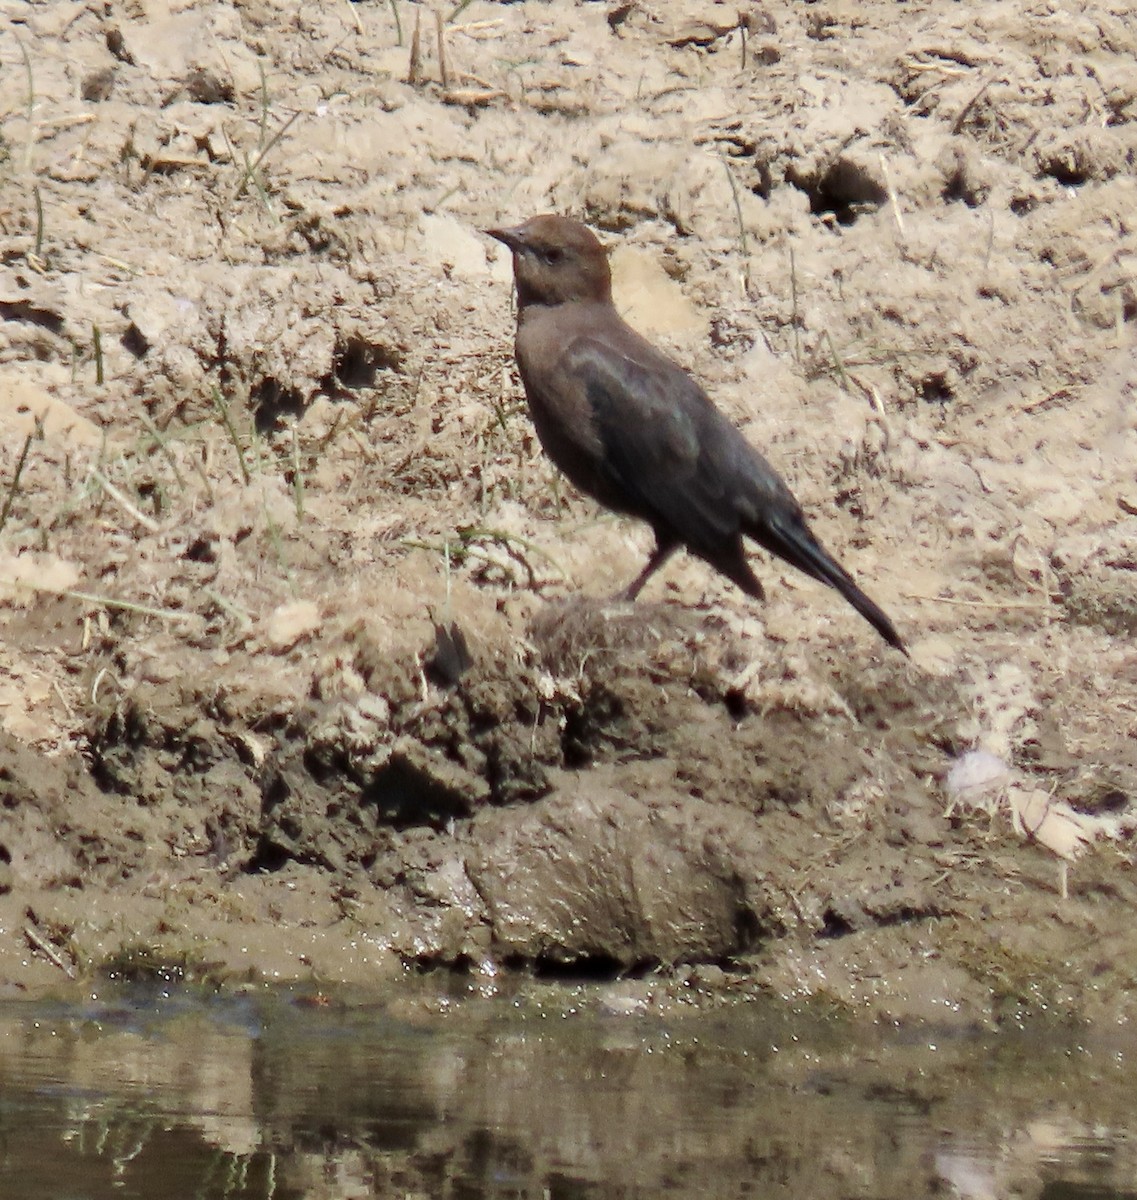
634	430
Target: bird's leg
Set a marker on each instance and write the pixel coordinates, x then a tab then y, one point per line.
662	552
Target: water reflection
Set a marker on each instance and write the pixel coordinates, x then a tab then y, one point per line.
156	1094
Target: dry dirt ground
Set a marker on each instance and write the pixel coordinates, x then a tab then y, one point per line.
262	439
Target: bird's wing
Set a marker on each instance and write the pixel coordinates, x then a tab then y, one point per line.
665	447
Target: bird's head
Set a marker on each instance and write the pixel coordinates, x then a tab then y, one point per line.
556	260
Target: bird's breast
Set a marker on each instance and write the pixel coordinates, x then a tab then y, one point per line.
561	409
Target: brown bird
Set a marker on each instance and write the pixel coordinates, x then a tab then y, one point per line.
631	428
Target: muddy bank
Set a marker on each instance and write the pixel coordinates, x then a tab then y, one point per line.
604	799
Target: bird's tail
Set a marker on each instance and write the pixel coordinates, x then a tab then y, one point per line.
792	540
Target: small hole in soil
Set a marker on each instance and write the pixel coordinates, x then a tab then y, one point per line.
936	390
134	343
271	402
268	859
846	190
959	188
599	968
202	549
406	796
21	310
1068	168
835	925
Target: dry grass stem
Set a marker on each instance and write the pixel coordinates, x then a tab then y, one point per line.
142	610
14	486
1009	605
43	946
414	67
124	502
443	62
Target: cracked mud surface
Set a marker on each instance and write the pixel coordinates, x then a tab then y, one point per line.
262	439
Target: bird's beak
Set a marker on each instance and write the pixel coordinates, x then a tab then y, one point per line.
511	237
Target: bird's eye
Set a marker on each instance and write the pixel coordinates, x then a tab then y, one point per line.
552	254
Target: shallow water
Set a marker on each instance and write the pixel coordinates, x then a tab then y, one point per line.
552	1093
